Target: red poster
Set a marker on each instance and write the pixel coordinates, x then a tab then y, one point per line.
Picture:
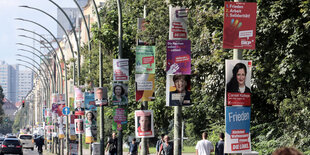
239	25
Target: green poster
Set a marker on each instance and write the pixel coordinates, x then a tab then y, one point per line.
145	60
119	118
71	103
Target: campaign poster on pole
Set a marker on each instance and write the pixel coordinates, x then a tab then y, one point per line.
61	134
239	25
79	107
144	123
237	134
72	127
79	126
145	86
78	94
145	60
73	147
238	82
178	90
120	70
89	101
54	98
90	127
178	23
101	96
178	57
119	118
120	94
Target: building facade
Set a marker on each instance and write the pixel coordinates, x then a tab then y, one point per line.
9	80
25	83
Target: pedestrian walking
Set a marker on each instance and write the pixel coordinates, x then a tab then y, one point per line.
219	146
204	147
133	147
112	145
166	147
159	142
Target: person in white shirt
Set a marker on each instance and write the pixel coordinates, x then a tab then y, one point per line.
204	147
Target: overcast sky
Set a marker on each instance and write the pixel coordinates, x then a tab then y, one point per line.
9	35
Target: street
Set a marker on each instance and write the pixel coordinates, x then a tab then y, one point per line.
30	152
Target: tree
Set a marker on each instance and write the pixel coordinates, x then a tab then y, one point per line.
1	103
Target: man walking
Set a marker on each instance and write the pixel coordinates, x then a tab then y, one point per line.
159	142
204	147
219	146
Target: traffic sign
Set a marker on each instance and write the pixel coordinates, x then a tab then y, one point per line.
66	111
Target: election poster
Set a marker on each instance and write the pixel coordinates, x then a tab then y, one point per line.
101	96
120	94
79	126
178	57
73	148
79	107
178	23
145	86
238	82
145	60
54	98
119	118
237	133
120	70
72	127
90	127
71	103
78	94
144	126
178	90
89	101
239	25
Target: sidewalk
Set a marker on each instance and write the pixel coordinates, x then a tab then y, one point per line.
86	152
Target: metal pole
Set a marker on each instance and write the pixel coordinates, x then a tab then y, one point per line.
100	84
144	141
56	58
76	39
120	55
65	67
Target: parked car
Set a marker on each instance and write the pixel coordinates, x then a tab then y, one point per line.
27	141
1	141
11	146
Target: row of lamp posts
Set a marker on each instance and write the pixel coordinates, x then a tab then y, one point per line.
45	78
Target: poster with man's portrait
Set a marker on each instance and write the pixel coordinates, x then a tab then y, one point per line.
90	126
238	82
101	96
61	99
120	94
54	98
178	90
79	126
144	123
79	107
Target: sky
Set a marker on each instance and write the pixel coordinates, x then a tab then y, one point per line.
9	10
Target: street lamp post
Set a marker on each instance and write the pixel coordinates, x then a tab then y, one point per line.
54	53
65	67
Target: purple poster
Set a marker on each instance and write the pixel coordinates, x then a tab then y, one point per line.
178	57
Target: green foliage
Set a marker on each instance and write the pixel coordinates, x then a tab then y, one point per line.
280	75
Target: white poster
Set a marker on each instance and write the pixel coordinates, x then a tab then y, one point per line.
178	23
238	82
144	124
120	70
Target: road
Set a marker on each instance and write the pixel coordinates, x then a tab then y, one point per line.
29	152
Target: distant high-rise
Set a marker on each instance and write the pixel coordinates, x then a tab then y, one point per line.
73	14
9	80
25	83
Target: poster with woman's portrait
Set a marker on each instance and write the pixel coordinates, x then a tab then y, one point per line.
238	82
101	96
90	126
120	94
79	126
178	90
144	126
